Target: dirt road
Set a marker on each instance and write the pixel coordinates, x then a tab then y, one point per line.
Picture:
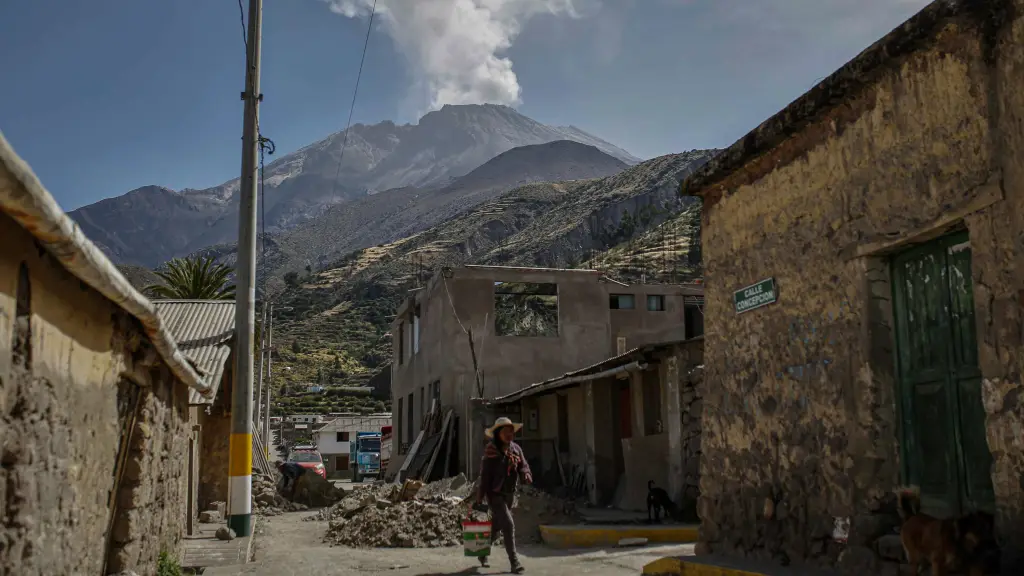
288	545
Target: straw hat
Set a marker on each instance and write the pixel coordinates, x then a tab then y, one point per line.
501	423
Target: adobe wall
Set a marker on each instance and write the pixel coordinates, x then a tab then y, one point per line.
62	368
800	401
213	454
152	496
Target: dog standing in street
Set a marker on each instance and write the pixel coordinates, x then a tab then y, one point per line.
657	502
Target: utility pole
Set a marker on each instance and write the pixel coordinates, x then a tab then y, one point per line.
240	455
266	402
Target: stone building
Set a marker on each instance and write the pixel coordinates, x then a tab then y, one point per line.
94	396
527	325
605	430
864	263
204	331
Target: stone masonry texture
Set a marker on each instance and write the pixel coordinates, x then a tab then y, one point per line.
800	402
64	351
213	456
152	498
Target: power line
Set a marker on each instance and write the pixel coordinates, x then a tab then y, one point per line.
268	145
241	15
355	92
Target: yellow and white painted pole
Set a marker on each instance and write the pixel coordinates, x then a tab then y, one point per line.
240	454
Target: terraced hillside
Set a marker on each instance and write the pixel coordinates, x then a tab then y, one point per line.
344	310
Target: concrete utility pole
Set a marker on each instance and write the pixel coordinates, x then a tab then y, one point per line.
266	402
240	456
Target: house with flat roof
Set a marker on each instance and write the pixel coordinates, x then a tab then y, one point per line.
332	440
486	331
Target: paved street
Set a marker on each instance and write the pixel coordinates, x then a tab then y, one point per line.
287	544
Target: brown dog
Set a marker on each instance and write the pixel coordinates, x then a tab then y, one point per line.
925	538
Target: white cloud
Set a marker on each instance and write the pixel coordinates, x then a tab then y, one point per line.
457	48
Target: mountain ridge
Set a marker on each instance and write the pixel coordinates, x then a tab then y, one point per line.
444	145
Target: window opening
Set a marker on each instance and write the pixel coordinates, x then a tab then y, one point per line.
622	302
525	309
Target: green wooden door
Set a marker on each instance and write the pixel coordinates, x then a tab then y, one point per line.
943	447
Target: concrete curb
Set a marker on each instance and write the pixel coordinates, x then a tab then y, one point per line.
587	536
252	537
682	567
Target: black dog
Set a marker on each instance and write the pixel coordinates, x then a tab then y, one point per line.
658	502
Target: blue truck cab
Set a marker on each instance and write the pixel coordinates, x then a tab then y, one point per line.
364	454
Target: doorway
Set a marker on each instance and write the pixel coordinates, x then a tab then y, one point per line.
943	447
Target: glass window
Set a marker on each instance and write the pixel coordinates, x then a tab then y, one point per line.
622	302
655	303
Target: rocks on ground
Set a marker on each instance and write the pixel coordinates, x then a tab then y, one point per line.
414	515
311	491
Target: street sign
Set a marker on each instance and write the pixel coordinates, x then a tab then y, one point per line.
755	296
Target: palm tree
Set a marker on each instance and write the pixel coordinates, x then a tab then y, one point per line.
193	279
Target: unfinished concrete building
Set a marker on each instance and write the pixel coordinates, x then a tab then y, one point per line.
486	331
94	401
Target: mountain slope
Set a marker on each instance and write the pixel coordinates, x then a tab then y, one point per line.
345	309
444	145
395	214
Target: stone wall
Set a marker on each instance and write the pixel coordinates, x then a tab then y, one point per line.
66	358
213	455
799	413
58	413
151	504
692	404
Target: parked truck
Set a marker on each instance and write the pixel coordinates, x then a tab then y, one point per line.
365	455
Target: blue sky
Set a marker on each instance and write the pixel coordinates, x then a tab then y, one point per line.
105	96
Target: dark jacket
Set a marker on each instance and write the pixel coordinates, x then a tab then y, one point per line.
291	470
497	467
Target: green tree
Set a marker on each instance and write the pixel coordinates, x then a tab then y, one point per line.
291	279
193	279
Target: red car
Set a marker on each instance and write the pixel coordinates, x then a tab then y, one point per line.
310	460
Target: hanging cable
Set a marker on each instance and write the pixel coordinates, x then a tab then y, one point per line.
355	93
241	14
268	145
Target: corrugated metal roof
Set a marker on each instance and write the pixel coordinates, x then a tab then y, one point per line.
204	330
622	359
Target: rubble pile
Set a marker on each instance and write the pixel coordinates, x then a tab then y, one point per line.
311	491
414	515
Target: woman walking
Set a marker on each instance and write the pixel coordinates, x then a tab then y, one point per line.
502	468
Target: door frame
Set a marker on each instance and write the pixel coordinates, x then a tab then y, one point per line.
905	394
